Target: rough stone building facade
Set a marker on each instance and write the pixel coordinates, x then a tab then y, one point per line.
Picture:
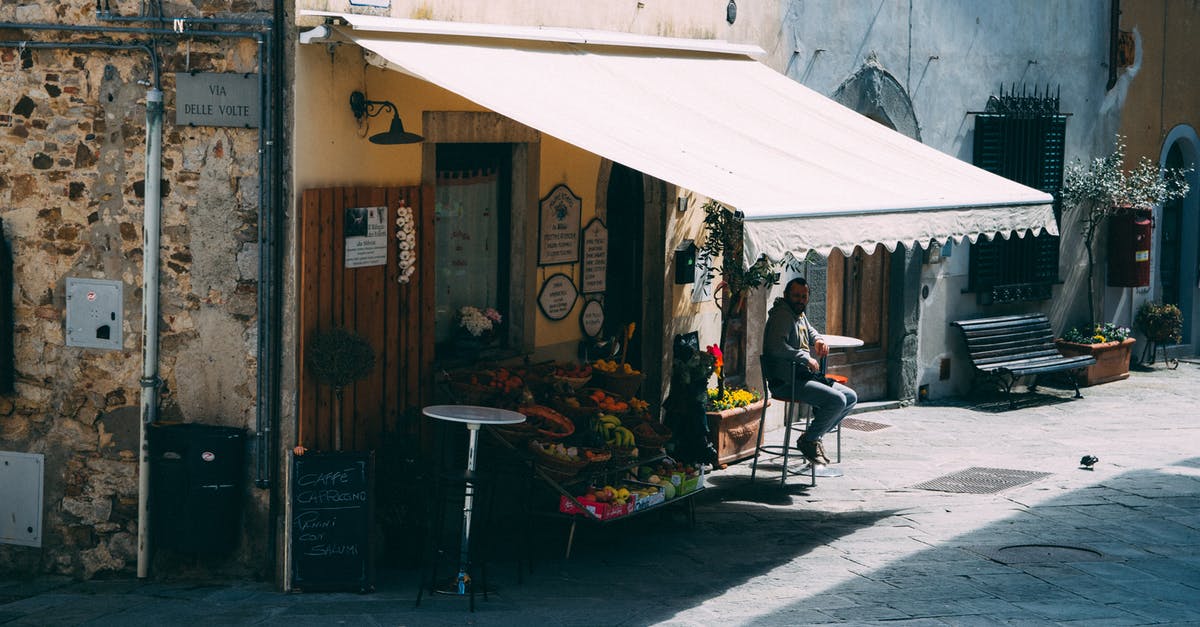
72	180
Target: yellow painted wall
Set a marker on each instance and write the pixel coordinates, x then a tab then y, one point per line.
1164	93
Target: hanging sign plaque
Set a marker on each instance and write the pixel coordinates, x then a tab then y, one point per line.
557	297
558	227
591	318
595	257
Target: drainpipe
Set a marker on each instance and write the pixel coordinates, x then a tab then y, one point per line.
149	381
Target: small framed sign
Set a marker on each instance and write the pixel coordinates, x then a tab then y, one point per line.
557	297
591	318
364	230
558	227
595	257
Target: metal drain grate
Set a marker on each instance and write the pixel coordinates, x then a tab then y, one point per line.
981	480
863	425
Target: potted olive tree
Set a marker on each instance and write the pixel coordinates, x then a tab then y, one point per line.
338	357
1103	189
1098	192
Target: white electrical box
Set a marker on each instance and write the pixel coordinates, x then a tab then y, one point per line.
21	477
94	313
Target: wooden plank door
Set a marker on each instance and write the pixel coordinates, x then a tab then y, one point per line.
396	318
857	306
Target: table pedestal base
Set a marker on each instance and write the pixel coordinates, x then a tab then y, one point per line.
461	586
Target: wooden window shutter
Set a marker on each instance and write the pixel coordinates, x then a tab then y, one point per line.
1027	146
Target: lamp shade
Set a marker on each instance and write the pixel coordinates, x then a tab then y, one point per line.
396	134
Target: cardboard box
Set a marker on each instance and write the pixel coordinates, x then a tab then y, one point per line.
693	483
642	502
604	511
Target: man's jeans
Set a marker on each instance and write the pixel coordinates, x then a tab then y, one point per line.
830	404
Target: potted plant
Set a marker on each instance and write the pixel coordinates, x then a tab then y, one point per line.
723	239
734	417
1108	343
338	357
1103	189
1161	323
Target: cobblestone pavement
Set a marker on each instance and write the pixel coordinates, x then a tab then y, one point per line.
1115	545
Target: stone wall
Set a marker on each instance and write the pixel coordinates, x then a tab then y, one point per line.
72	151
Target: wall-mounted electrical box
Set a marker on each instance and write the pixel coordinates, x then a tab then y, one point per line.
94	313
21	477
685	262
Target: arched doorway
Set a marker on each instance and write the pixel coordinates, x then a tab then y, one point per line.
625	296
1178	233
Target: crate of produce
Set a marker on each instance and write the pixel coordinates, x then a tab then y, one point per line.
603	511
693	482
645	495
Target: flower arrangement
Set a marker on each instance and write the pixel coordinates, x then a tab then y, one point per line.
1096	334
406	238
1161	323
478	322
729	399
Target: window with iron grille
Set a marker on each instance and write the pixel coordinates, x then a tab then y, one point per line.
1020	138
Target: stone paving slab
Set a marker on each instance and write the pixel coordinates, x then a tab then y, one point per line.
865	548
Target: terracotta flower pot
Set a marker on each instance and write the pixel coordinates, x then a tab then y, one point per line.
1112	360
734	432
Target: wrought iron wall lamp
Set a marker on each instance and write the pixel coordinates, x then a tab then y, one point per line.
371	108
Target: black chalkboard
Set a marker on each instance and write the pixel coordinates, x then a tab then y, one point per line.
331	521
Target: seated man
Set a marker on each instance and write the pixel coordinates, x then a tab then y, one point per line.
790	340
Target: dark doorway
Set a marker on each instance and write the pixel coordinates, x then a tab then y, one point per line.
1170	258
626	225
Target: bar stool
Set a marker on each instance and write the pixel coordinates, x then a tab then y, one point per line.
791	407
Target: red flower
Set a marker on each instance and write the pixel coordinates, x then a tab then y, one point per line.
718	357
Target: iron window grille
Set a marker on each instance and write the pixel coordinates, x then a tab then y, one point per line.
1022	138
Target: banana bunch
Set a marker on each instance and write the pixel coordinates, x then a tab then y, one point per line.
609	428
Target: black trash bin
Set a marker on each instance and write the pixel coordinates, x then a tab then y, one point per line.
196	486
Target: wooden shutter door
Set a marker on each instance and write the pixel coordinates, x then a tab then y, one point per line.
396	318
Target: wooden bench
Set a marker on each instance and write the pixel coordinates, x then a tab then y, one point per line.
1006	348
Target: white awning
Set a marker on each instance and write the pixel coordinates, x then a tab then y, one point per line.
808	173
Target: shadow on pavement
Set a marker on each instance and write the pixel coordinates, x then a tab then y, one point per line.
1125	551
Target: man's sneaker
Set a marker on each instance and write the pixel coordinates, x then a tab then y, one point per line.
812	452
821	452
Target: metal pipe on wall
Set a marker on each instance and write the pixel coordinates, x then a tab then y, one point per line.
150	291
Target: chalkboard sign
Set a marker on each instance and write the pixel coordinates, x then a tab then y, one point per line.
331	521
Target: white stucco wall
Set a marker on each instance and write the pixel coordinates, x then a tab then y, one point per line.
950	56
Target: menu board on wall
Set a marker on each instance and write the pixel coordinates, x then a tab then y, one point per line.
365	232
595	257
558	227
331	521
557	297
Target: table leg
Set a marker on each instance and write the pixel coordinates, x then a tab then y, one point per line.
463	580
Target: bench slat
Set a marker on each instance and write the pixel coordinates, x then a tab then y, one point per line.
1016	346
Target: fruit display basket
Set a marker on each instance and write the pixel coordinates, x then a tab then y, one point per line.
472	388
558	467
622	384
573	382
651	434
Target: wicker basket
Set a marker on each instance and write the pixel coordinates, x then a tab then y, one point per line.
624	454
556	467
574	382
626	385
651	434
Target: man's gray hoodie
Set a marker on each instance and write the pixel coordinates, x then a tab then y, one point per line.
787	339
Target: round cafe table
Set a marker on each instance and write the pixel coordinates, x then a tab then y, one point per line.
835	341
474	417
